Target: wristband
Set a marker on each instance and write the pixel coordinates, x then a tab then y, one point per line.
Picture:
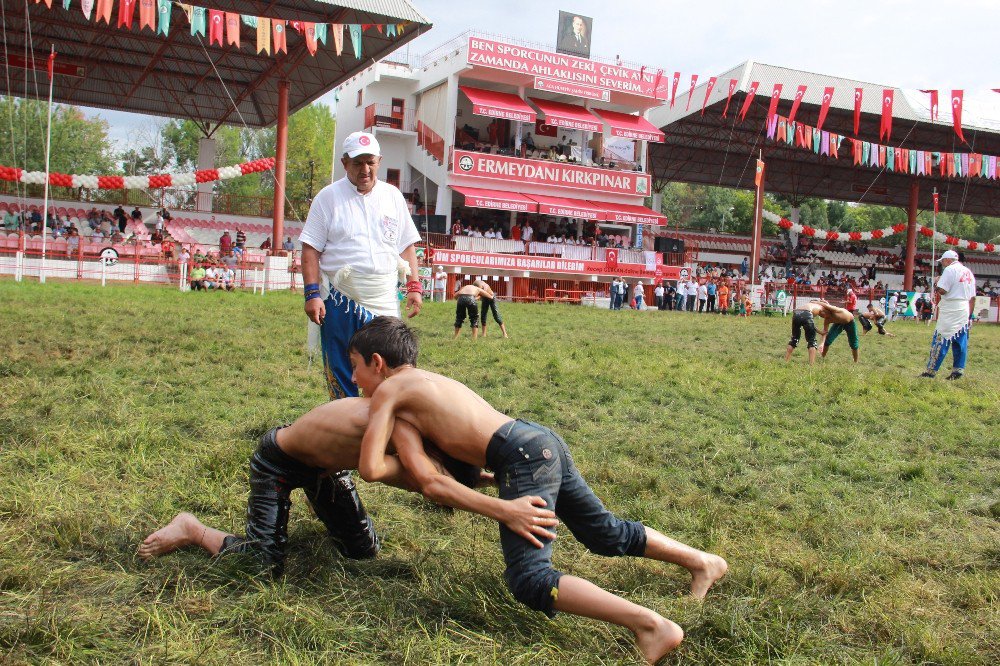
414	287
311	295
312	286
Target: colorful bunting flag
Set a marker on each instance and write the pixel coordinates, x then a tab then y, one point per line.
775	98
885	129
216	26
673	88
936	208
824	107
934	103
104	8
729	97
233	28
338	37
857	109
711	84
163	27
355	31
126	10
147	14
264	35
321	33
956	113
309	31
280	30
694	82
198	22
799	94
749	100
87	6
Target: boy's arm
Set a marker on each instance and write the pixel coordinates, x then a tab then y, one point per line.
525	516
374	464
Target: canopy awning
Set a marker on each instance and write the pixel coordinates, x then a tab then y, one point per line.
569	116
498	104
630	127
565	207
496	199
631	214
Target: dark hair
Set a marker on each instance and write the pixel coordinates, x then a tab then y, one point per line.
388	337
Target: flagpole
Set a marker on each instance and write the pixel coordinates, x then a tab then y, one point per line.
930	288
48	149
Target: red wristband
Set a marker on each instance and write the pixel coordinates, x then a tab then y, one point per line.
414	287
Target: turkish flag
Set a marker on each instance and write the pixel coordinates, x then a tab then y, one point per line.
544	129
825	107
749	100
611	259
885	129
279	36
126	10
732	89
52	64
857	110
799	94
216	25
673	88
956	112
934	103
775	98
936	210
233	28
694	82
711	84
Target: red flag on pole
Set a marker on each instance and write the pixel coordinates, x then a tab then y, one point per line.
775	98
759	174
857	110
935	202
825	107
885	129
956	112
799	94
125	12
673	88
52	64
279	28
711	84
694	82
749	100
732	89
934	103
216	25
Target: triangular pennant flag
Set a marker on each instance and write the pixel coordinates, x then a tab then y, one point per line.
126	10
775	98
729	97
956	113
355	30
147	14
835	145
216	26
965	164
866	153
711	84
799	94
309	30
321	32
378	26
163	26
198	21
749	100
934	103
881	156
264	35
919	167
975	164
824	107
890	158
673	88
250	21
233	28
758	177
824	143
928	163
694	82
66	4
885	129
816	140
87	6
48	3
912	154
338	37
390	30
772	126
782	128
280	30
400	27
104	8
857	110
856	151
800	136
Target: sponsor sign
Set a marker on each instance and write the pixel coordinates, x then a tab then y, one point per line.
504	114
636	134
566	68
498	204
109	256
545	172
569	211
518	262
575	89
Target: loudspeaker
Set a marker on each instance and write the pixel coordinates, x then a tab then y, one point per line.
435	224
669	245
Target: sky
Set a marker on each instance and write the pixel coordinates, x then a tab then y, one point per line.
909	44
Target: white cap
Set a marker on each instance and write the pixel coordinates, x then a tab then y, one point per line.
949	254
361	143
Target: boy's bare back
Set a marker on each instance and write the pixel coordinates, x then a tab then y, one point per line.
329	436
444	411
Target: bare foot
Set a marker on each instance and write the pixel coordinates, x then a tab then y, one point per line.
176	534
658	638
713	568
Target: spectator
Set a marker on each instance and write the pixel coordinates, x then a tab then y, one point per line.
225	242
745	266
440	285
136	214
711	289
723	298
156	238
639	294
702	297
241	238
527	233
227	278
658	296
197	277
229	260
184	257
159	221
210	281
266	245
167	247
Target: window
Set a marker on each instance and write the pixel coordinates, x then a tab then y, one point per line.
392	177
361	97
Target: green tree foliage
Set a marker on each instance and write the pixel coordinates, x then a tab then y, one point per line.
80	145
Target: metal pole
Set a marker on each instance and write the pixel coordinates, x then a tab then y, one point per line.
280	165
48	152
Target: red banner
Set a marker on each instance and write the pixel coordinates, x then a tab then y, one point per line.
711	84
544	129
573	89
611	259
749	100
216	24
566	68
857	109
825	108
694	82
956	112
545	172
775	98
673	88
885	129
521	262
799	94
729	97
934	103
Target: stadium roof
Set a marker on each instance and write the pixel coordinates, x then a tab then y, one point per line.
180	75
711	150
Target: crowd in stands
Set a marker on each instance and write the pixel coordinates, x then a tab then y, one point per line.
562	232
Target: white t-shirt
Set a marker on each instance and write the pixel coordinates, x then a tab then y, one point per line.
958	282
702	293
658	291
367	232
527	233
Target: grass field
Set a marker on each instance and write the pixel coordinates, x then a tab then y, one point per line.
857	505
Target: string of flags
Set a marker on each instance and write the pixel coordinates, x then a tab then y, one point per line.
224	28
135	182
877	233
864	153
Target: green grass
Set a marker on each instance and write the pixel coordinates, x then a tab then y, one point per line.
857	505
